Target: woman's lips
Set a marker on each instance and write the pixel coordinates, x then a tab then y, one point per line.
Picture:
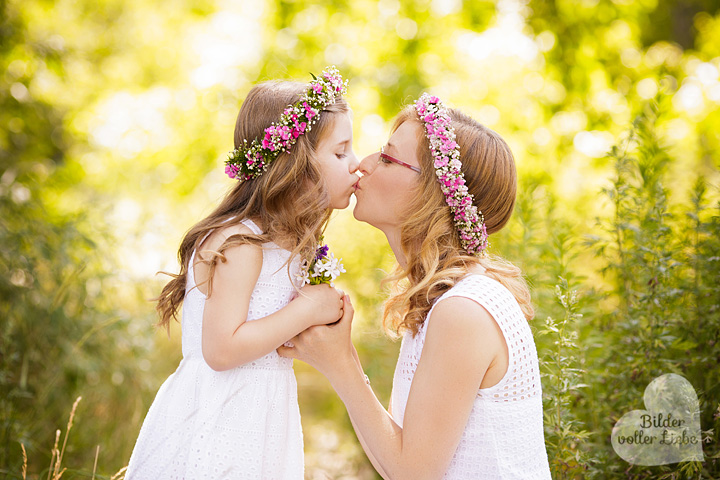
357	185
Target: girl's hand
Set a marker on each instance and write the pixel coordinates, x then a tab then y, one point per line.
321	304
328	348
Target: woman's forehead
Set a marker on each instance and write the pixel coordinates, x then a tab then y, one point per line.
405	137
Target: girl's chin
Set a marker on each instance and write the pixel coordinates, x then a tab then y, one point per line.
340	204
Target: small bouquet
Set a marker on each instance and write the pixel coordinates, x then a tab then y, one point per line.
324	268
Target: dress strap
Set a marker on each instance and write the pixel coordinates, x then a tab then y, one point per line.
191	268
252	226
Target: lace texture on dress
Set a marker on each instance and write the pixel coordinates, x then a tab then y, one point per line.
242	423
504	436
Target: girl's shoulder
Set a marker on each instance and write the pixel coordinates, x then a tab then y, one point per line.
217	237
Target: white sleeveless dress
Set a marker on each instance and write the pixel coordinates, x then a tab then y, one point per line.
504	437
242	423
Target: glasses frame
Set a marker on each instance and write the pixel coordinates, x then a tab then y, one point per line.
387	157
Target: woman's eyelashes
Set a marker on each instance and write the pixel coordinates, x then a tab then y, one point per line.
340	156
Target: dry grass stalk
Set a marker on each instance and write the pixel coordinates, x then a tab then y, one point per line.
97	452
53	468
24	468
69	426
57	455
119	472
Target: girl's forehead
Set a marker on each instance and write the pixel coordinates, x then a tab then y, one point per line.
341	130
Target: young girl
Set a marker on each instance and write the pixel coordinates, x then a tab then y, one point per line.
230	410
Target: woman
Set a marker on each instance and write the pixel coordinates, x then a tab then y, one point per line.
466	399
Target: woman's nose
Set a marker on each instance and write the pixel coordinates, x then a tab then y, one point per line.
368	164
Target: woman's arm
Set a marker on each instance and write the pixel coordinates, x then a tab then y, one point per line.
228	340
460	344
358	432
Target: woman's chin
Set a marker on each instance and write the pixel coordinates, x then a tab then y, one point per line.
360	216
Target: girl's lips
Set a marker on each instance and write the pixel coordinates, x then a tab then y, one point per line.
357	185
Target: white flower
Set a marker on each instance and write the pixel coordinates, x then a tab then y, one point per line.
303	276
333	267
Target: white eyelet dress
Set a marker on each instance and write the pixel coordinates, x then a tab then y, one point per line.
242	423
504	437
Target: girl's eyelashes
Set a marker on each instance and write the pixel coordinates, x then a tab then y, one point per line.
340	156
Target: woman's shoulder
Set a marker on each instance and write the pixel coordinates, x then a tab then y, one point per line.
477	282
487	293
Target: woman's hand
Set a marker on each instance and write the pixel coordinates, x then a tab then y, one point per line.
320	304
327	348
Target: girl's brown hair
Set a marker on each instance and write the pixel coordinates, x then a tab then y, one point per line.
289	199
436	260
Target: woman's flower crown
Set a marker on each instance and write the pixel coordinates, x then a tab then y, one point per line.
251	159
469	221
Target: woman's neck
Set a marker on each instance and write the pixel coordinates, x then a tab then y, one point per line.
393	238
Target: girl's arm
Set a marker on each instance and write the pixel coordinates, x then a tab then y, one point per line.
228	340
461	342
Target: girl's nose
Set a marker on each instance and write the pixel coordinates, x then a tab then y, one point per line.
353	164
368	164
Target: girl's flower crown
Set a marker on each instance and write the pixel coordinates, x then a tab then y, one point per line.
250	160
469	221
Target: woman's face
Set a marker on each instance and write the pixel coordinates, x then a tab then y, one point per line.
385	190
337	161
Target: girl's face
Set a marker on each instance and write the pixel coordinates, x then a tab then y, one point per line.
338	162
385	190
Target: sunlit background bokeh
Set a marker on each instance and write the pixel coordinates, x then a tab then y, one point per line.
117	116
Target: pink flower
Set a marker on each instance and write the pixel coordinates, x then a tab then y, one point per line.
445	152
317	88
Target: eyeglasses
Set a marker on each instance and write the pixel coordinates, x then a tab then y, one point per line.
385	156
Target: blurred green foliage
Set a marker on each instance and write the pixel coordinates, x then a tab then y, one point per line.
115	117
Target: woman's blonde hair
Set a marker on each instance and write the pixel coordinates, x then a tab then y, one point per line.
289	199
430	242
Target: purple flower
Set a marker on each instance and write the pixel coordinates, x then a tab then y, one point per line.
321	252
